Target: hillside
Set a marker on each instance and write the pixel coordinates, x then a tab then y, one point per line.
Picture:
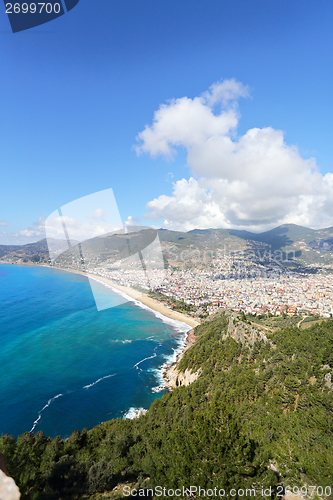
33	252
259	415
300	246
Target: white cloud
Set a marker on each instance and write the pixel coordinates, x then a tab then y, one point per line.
255	181
98	214
53	227
3	223
78	230
30	233
25	236
37	232
132	221
224	93
40	222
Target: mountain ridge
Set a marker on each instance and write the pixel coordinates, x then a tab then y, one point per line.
303	243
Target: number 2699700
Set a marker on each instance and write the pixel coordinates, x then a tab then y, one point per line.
33	8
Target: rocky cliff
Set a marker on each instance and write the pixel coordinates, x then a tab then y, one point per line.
176	378
237	329
242	332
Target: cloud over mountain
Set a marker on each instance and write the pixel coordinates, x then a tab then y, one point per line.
255	181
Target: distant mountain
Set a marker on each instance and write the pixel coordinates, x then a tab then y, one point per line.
32	252
307	246
304	245
6	249
278	237
287	234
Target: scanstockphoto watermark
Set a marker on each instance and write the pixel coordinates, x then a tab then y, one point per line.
87	235
217	492
233	264
205	256
195	492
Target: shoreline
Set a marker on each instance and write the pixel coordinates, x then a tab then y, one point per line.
166	374
167	370
134	294
147	301
187	341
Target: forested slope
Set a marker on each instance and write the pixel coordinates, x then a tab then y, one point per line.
260	414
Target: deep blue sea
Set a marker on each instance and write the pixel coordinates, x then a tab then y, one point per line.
66	366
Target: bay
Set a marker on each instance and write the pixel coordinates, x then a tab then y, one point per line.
63	364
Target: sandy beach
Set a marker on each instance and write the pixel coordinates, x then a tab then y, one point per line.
142	297
147	301
169	372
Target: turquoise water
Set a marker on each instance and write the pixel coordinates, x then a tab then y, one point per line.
66	366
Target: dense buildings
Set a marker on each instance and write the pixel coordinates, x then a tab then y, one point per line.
240	285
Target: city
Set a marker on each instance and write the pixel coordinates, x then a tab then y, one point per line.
233	283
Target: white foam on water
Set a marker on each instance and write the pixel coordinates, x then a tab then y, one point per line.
50	401
99	380
115	341
142	360
134	413
178	325
169	361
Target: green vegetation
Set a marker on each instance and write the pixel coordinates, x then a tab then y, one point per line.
276	322
32	252
176	305
260	414
309	321
303	246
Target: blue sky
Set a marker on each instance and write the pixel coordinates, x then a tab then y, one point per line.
76	92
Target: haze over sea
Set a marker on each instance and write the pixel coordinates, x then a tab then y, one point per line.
66	366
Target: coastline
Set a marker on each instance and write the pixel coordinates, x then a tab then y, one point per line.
167	373
134	294
147	301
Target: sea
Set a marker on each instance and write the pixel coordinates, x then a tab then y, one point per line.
64	365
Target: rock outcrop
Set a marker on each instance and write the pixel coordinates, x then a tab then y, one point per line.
328	377
237	329
176	378
8	488
242	332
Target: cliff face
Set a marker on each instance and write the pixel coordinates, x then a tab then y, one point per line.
241	332
8	488
176	378
237	329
